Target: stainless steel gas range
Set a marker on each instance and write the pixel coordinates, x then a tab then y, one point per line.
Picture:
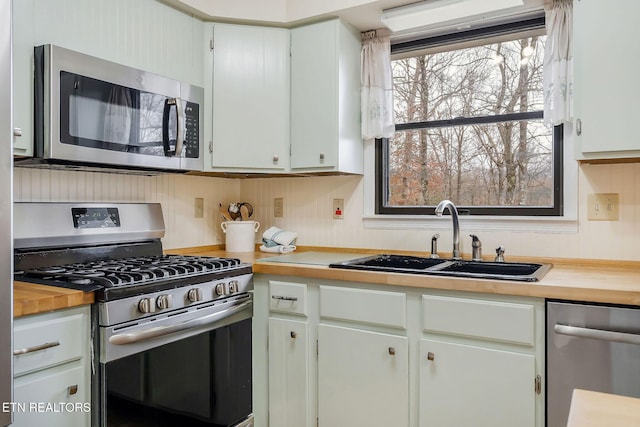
171	333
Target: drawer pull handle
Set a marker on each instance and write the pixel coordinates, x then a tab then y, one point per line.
72	389
392	351
36	348
281	298
431	356
293	334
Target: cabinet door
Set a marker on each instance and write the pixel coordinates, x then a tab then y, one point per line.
288	373
606	86
362	378
23	77
250	98
56	397
464	385
314	90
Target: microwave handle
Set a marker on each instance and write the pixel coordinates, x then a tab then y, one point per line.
180	125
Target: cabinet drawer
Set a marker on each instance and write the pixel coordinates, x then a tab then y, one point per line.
52	398
49	339
286	297
492	320
362	305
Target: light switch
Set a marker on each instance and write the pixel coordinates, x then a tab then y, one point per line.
603	207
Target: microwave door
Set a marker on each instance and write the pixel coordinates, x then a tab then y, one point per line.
102	122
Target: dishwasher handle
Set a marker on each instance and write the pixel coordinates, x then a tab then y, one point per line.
597	334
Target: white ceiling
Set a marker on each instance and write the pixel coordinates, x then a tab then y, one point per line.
362	14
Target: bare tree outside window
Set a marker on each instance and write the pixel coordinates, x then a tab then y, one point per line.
469	128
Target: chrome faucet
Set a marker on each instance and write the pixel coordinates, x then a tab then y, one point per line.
448	204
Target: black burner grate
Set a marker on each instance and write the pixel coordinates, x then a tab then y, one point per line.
132	271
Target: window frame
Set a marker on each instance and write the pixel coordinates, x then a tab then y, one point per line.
381	174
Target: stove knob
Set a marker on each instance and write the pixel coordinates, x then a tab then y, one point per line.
194	295
221	289
233	286
163	301
146	305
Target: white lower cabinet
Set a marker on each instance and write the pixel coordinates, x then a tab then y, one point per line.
48	399
344	354
363	378
51	369
468	385
288	373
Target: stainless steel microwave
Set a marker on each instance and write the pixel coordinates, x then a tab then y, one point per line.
91	112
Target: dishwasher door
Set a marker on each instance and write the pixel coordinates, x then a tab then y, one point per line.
591	347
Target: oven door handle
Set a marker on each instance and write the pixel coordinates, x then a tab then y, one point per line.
597	334
134	337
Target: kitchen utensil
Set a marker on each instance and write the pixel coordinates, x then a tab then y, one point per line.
225	214
244	212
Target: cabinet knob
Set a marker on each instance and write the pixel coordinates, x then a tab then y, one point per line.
579	127
293	334
322	157
275	158
17	132
72	389
392	351
431	356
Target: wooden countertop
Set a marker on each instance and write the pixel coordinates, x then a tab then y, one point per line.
593	409
577	280
29	298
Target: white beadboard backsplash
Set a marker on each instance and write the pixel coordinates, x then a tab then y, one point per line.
308	211
176	194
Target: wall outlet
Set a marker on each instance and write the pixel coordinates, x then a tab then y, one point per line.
603	207
338	208
198	207
278	207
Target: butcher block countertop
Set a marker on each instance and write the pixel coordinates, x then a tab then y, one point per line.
29	298
593	409
579	280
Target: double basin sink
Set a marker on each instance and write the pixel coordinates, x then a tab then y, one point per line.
526	272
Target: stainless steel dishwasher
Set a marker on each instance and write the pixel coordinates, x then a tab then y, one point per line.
591	347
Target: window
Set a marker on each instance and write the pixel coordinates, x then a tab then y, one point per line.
468	113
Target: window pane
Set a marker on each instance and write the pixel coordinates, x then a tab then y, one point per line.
497	78
497	164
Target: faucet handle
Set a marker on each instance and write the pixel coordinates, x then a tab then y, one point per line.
434	246
476	248
500	254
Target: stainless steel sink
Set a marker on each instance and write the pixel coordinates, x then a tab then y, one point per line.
526	272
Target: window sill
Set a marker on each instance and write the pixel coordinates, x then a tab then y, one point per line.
557	225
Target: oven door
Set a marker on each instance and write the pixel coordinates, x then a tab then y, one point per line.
189	369
102	112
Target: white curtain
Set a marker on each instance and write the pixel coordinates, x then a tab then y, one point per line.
377	85
558	63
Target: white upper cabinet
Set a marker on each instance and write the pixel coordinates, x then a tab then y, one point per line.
606	86
247	123
325	98
23	77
